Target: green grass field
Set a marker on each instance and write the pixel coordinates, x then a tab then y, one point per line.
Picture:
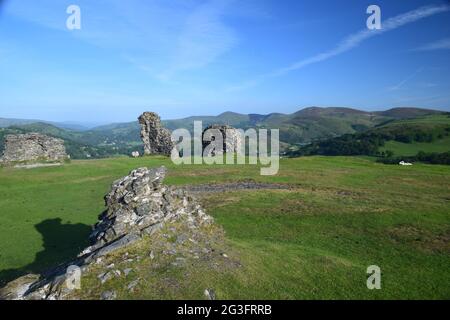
314	241
431	123
411	149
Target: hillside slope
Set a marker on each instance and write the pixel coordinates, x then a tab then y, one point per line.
407	113
299	128
405	137
8	122
79	145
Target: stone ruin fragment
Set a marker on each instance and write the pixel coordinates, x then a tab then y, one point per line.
33	147
231	139
155	137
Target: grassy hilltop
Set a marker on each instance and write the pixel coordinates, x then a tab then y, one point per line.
314	240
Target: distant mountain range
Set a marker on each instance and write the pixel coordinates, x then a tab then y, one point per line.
301	127
7	122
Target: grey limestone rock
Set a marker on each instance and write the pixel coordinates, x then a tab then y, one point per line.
138	205
156	138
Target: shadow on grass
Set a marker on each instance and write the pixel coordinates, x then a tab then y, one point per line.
62	242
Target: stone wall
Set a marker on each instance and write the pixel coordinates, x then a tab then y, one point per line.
33	147
155	137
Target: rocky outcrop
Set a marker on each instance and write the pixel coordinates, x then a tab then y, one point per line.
33	147
155	137
231	139
138	205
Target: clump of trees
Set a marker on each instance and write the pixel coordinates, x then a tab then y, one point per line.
346	145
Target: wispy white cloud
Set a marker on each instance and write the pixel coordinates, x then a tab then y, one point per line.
436	45
428	85
424	100
404	81
349	43
204	38
159	37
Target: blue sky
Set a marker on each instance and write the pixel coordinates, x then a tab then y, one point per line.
195	57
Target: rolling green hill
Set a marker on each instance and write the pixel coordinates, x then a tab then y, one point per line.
302	127
406	137
4	123
50	130
407	113
319	123
308	124
7	122
437	126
